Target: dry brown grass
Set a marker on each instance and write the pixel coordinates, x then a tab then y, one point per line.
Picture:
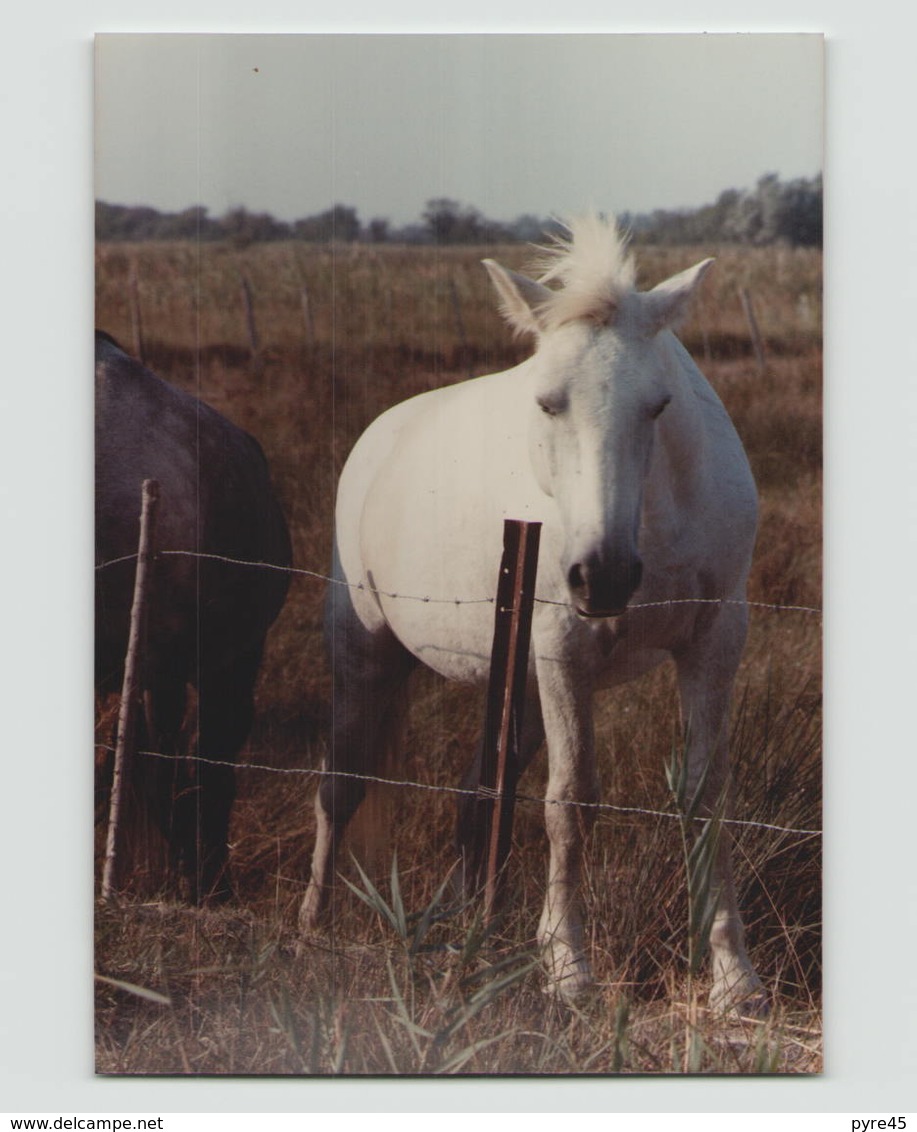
384	323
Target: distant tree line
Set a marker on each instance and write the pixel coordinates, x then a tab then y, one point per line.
773	211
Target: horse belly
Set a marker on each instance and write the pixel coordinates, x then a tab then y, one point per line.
431	536
433	583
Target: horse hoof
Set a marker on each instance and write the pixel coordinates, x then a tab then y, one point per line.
754	1003
572	988
310	911
756	1007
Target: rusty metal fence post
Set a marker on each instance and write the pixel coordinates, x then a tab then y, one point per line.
506	701
130	688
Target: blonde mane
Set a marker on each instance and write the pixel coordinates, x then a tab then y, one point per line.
593	266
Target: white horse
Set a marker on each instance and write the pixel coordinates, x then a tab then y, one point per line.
610	437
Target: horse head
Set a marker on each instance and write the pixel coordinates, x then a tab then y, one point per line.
601	384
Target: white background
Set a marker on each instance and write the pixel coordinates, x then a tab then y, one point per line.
45	487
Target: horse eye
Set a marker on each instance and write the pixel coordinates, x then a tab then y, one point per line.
658	409
547	408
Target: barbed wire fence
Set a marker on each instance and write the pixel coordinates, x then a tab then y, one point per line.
427	599
319	772
457	791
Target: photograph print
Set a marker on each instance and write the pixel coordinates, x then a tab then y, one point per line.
458	495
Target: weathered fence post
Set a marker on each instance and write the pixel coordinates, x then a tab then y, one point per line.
756	340
133	287
307	317
505	701
130	687
460	325
248	307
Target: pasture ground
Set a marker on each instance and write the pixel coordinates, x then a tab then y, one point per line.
342	334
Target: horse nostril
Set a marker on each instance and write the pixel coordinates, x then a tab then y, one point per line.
603	587
575	578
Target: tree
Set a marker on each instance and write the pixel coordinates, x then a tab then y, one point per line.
337	223
452	223
190	224
442	216
242	227
526	229
801	213
377	230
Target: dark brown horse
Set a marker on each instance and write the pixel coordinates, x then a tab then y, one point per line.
207	617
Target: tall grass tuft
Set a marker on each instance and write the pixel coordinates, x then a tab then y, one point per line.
700	839
456	981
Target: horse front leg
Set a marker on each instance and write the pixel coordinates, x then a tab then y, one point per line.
572	791
706	673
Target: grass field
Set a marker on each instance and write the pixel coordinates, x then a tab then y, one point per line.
342	333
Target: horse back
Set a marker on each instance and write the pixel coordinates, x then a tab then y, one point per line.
216	498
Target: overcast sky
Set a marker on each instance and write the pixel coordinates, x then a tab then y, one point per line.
510	124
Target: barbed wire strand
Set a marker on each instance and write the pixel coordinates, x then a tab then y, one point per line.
458	790
299	571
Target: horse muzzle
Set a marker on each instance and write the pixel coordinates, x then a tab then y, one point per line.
603	588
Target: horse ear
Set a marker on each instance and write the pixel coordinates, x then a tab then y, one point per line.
520	297
667	304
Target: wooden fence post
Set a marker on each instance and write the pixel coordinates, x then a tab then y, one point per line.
460	325
130	687
307	317
133	287
505	701
248	307
756	340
